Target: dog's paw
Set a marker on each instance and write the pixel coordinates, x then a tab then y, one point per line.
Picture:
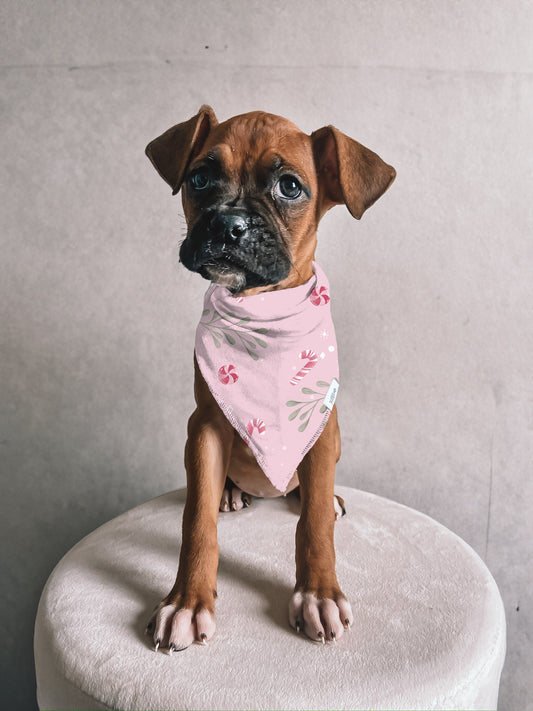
174	629
338	505
233	498
321	619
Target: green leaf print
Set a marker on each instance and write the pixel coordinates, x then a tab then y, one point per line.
234	330
304	409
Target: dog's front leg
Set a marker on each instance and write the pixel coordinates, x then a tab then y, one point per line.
187	613
318	606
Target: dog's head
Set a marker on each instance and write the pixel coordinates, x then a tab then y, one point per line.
254	189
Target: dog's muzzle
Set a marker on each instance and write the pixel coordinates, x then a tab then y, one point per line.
235	248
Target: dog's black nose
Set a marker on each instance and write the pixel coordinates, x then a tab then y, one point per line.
228	227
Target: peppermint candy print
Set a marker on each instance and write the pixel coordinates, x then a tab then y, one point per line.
319	296
311	359
227	374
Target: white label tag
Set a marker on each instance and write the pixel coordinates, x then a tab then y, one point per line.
331	394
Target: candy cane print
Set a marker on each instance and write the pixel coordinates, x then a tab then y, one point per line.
255	424
227	374
311	358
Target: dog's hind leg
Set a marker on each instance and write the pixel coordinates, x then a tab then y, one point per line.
338	504
233	498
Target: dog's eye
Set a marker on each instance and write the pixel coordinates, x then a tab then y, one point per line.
200	180
288	187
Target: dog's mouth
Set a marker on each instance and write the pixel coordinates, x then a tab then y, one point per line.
224	271
252	256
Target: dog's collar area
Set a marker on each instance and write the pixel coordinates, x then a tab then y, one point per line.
272	304
270	361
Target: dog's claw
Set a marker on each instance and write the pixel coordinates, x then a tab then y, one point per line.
173	648
178	628
321	619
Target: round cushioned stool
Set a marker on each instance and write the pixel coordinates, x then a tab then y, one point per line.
429	630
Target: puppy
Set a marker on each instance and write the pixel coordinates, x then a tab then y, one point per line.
254	189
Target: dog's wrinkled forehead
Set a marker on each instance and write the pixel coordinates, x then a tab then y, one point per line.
256	145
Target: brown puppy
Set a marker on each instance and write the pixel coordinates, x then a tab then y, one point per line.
254	190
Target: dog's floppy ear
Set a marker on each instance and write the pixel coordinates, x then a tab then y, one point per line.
348	172
172	152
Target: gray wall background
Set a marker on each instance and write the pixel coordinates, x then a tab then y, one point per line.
433	288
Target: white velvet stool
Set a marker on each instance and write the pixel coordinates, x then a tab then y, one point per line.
429	629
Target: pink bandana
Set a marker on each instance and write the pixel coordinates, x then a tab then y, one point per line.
270	361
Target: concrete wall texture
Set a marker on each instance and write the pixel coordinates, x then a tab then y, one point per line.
432	289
